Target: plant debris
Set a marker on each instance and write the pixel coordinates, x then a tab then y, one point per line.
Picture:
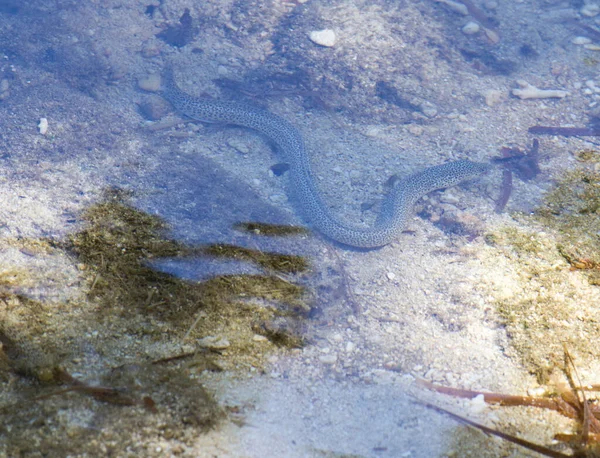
570	401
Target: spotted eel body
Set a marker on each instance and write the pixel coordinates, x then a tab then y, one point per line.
397	205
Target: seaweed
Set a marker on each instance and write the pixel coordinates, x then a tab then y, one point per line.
548	301
116	367
569	401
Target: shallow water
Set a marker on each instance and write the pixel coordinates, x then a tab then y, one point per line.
139	318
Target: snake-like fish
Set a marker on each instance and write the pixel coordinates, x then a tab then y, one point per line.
397	204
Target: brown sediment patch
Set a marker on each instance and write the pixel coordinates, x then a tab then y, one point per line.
119	367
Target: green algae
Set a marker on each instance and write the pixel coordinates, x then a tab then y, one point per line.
138	330
550	304
119	243
272	261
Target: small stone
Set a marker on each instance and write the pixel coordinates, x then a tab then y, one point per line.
581	41
477	404
456	6
43	126
471	28
590	9
390	275
429	109
493	97
151	83
537	392
223	71
259	338
337	337
325	37
328	359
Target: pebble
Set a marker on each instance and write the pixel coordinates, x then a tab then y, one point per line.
477	404
590	9
390	275
43	126
537	391
429	110
471	28
150	83
493	97
328	358
581	41
325	37
259	338
336	337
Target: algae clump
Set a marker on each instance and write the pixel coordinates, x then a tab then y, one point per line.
137	334
554	270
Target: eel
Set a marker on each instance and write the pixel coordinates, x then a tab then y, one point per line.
397	205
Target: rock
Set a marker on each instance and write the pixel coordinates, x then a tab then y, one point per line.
328	359
151	83
325	37
581	40
493	97
471	28
43	126
590	9
429	109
